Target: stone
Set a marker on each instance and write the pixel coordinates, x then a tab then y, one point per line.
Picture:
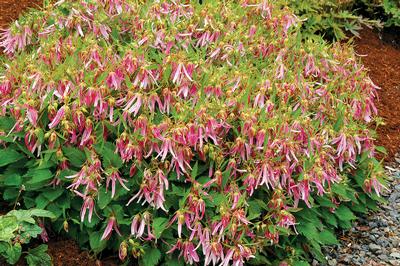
374	247
383	257
395	255
332	262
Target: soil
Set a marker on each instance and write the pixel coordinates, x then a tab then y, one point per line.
67	252
11	9
380	53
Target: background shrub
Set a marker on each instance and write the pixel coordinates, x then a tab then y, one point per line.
209	131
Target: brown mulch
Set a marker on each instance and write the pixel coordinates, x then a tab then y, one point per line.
67	252
10	9
380	53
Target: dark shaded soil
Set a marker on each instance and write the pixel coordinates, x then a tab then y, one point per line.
380	53
67	252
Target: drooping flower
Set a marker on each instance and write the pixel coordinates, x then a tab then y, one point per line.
112	177
111	225
57	118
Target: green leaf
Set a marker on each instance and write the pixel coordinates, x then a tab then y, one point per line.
53	193
104	198
8	156
10	194
26	215
309	231
38	256
159	225
328	238
195	170
329	218
345	214
14	180
38	176
96	244
381	149
8	225
110	158
174	262
13	253
151	257
41	213
254	210
300	263
30	230
75	156
41	201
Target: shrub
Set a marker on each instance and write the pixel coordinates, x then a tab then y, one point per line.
392	12
163	129
335	20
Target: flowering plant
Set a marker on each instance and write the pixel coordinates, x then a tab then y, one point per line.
208	131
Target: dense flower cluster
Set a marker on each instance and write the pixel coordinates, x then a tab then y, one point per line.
220	105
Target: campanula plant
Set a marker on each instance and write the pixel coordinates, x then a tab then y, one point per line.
176	132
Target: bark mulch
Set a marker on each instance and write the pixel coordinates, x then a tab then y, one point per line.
380	53
11	9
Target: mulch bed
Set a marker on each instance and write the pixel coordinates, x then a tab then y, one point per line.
380	53
380	57
10	9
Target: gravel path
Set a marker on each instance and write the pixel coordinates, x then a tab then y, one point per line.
374	240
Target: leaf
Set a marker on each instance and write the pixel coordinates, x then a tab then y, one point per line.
174	262
14	180
309	231
110	158
104	198
195	170
381	149
26	215
41	201
8	156
38	256
344	213
30	230
13	253
38	176
151	257
8	224
96	244
75	156
300	263
159	225
10	194
53	193
41	213
254	210
328	238
329	218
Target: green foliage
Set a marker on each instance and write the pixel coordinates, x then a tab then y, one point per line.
330	18
392	11
17	228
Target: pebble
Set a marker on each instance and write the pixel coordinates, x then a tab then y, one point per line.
395	255
374	247
332	262
375	238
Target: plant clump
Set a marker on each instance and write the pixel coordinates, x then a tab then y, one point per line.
173	128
